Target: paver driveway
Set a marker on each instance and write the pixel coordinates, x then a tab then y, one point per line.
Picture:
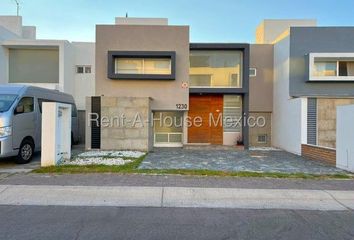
233	160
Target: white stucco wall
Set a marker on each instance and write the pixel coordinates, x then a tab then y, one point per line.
5	34
70	55
29	32
4	60
14	35
12	24
84	83
56	133
345	137
67	61
288	121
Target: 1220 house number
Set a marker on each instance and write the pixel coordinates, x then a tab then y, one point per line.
181	106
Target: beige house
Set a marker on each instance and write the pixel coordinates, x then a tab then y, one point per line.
147	67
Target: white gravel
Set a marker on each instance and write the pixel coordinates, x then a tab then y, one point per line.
125	154
97	160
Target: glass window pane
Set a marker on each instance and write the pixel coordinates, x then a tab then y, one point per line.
87	69
199	61
129	66
200	80
6	101
232	113
79	69
161	137
325	69
168	122
224	68
157	66
235	80
175	138
27	104
346	68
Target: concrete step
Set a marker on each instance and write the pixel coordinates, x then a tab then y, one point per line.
208	146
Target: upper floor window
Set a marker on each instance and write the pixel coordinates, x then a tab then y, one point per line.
215	68
332	66
83	69
143	66
325	68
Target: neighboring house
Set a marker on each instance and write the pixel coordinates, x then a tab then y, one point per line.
313	74
53	64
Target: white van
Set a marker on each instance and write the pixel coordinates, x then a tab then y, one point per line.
21	119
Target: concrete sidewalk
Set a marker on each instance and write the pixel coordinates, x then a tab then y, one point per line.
135	196
154	180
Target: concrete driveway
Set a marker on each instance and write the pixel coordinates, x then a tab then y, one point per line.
8	165
234	160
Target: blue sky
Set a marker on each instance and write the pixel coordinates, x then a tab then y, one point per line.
209	20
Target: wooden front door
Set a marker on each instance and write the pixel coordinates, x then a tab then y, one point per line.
204	106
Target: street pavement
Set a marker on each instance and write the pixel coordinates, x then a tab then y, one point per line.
115	206
86	223
135	206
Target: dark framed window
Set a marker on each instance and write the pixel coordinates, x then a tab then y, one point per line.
224	68
83	69
150	65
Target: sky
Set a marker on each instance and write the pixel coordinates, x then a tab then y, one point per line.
209	20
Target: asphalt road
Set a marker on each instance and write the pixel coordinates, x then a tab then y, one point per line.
43	222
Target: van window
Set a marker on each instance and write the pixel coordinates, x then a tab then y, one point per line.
73	107
73	110
27	104
6	101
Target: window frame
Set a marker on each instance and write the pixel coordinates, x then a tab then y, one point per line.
329	57
144	62
84	67
214	81
113	55
255	72
265	138
87	67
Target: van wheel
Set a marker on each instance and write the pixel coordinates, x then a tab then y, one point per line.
25	152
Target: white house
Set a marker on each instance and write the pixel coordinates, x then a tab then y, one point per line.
54	64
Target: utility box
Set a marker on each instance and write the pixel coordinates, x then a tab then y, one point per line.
345	137
56	133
